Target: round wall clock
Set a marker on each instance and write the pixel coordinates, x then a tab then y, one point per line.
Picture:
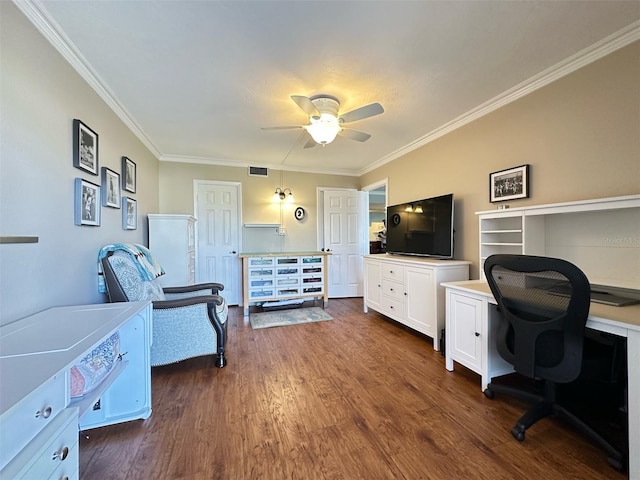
299	213
395	219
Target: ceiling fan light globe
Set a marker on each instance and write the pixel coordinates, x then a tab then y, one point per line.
324	129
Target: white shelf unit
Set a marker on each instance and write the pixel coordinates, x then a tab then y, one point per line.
594	234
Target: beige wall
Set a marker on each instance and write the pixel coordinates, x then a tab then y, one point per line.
40	95
580	134
176	196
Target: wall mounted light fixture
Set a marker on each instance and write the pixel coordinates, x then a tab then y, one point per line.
283	193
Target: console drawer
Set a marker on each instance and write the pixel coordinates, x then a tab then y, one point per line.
393	272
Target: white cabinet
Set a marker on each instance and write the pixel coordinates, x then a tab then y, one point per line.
172	241
38	420
471	335
407	289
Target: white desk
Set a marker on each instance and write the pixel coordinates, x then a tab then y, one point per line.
470	341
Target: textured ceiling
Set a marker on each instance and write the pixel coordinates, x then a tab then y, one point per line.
198	79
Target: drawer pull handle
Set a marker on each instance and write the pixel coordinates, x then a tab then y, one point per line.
61	454
45	413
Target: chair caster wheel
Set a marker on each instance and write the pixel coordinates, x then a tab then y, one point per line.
518	433
489	393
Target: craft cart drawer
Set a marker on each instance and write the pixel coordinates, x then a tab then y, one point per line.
56	444
261	262
27	418
288	261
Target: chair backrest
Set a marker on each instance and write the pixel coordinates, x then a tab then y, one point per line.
125	283
544	303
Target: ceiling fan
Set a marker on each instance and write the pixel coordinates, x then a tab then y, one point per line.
325	122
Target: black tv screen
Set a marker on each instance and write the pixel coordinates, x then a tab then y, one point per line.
422	227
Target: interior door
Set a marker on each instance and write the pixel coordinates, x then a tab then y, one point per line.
217	207
343	211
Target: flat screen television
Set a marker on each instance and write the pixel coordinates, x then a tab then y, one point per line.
422	227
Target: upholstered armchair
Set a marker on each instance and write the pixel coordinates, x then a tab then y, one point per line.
188	321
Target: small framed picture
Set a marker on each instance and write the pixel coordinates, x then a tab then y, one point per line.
87	203
128	175
110	188
85	148
129	214
509	184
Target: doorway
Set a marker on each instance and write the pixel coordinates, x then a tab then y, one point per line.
376	219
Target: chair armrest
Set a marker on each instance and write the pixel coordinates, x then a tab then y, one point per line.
214	287
188	301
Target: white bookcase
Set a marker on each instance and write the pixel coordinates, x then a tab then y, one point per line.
172	242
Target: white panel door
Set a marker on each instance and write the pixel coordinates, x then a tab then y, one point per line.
343	239
218	225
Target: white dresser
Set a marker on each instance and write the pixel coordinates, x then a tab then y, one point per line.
172	242
407	289
39	422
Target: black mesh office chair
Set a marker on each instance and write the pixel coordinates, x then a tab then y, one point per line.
544	304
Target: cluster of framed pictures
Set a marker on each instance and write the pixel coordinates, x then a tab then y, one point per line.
90	196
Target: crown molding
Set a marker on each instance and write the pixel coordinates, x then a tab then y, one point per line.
50	29
604	47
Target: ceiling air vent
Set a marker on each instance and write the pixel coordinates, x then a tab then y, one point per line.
258	172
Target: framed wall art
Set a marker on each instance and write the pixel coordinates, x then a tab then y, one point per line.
509	184
87	203
110	188
128	175
85	148
129	214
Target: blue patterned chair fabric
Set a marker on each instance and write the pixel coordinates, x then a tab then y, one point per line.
188	321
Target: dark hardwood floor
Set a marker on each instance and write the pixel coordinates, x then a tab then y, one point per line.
359	397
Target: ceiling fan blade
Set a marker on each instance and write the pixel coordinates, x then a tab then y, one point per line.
283	127
306	105
362	112
354	135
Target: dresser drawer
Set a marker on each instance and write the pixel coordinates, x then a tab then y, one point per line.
33	413
55	445
260	261
393	289
393	272
392	308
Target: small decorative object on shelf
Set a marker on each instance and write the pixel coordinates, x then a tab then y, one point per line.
509	184
299	213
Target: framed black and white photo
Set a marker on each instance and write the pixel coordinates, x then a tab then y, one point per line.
509	184
128	175
85	148
110	188
129	214
87	203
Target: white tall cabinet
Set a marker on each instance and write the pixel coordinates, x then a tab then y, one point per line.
172	242
407	289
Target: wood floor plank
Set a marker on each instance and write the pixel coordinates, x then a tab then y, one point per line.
357	397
